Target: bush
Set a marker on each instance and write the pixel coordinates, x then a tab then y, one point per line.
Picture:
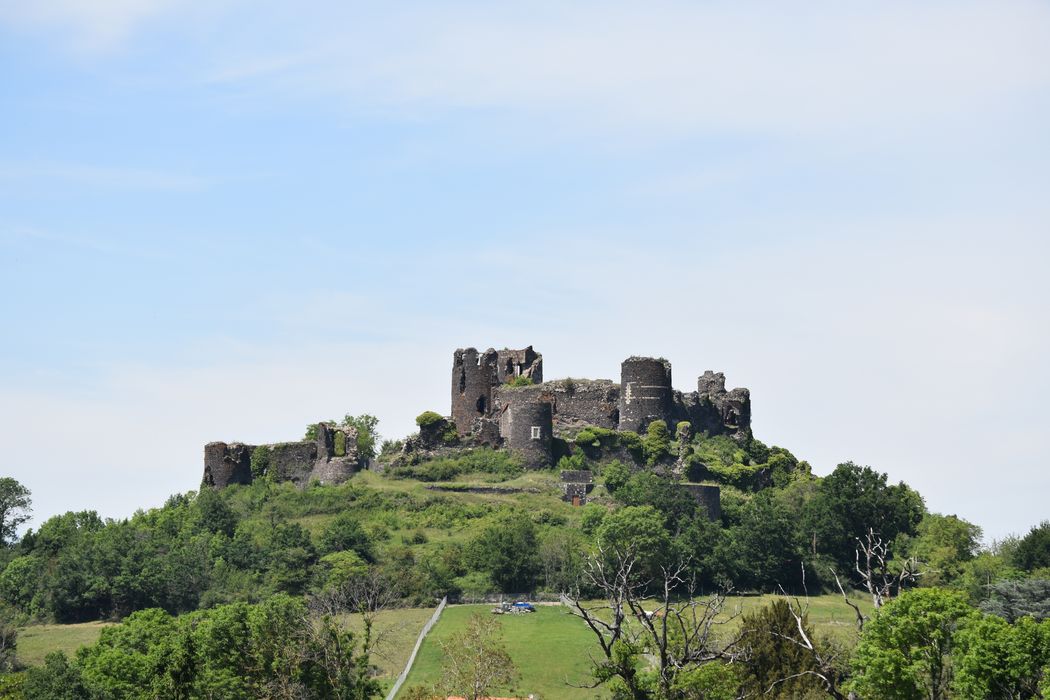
656	445
261	461
339	443
520	380
616	474
428	418
484	460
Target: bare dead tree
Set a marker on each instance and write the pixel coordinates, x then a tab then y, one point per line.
367	595
679	632
875	570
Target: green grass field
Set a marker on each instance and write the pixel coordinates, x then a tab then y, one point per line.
395	631
37	641
552	649
549	648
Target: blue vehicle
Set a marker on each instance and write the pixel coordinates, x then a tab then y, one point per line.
522	606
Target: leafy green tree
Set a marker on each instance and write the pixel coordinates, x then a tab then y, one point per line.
944	543
615	475
367	437
57	679
508	551
215	513
1033	551
640	531
994	659
905	650
853	499
765	545
15	507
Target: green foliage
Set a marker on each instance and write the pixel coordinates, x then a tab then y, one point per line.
215	513
261	460
943	543
1012	600
508	552
483	460
853	499
1033	551
367	437
656	445
778	666
573	462
994	659
428	418
905	651
346	534
710	681
615	474
763	547
15	507
520	380
339	443
592	516
236	651
57	679
638	530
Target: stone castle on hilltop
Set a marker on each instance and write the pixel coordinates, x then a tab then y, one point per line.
499	399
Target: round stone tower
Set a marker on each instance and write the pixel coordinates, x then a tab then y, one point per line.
645	392
527	429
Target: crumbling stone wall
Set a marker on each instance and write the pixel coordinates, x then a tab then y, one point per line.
292	461
575	403
710	497
226	464
527	429
717	411
336	454
645	392
519	363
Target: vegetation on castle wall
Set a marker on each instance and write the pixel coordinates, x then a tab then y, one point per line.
519	380
260	461
339	443
480	460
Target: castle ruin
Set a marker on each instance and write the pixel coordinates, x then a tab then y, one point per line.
490	407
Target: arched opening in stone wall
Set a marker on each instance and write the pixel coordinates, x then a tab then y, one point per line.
481	404
462	382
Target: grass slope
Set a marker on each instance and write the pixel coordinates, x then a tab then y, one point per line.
37	641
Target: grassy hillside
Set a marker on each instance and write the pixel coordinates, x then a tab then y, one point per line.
37	641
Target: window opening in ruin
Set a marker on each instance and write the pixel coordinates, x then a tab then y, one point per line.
481	404
535	432
462	382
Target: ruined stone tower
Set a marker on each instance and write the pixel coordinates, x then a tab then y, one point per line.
527	428
645	392
475	374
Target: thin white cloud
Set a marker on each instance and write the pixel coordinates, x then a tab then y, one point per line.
105	177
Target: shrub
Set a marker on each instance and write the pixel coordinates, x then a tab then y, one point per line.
520	380
339	445
616	474
260	461
428	418
656	445
483	460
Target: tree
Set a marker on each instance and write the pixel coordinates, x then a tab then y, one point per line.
475	660
905	650
673	631
995	659
779	664
1033	551
507	550
944	544
15	507
853	500
1012	600
57	679
346	534
367	437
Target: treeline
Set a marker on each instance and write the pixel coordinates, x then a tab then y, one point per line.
248	543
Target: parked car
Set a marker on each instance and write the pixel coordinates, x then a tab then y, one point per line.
522	606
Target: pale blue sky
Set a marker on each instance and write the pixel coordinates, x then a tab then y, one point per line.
225	220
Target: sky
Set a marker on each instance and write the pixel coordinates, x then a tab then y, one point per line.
226	220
